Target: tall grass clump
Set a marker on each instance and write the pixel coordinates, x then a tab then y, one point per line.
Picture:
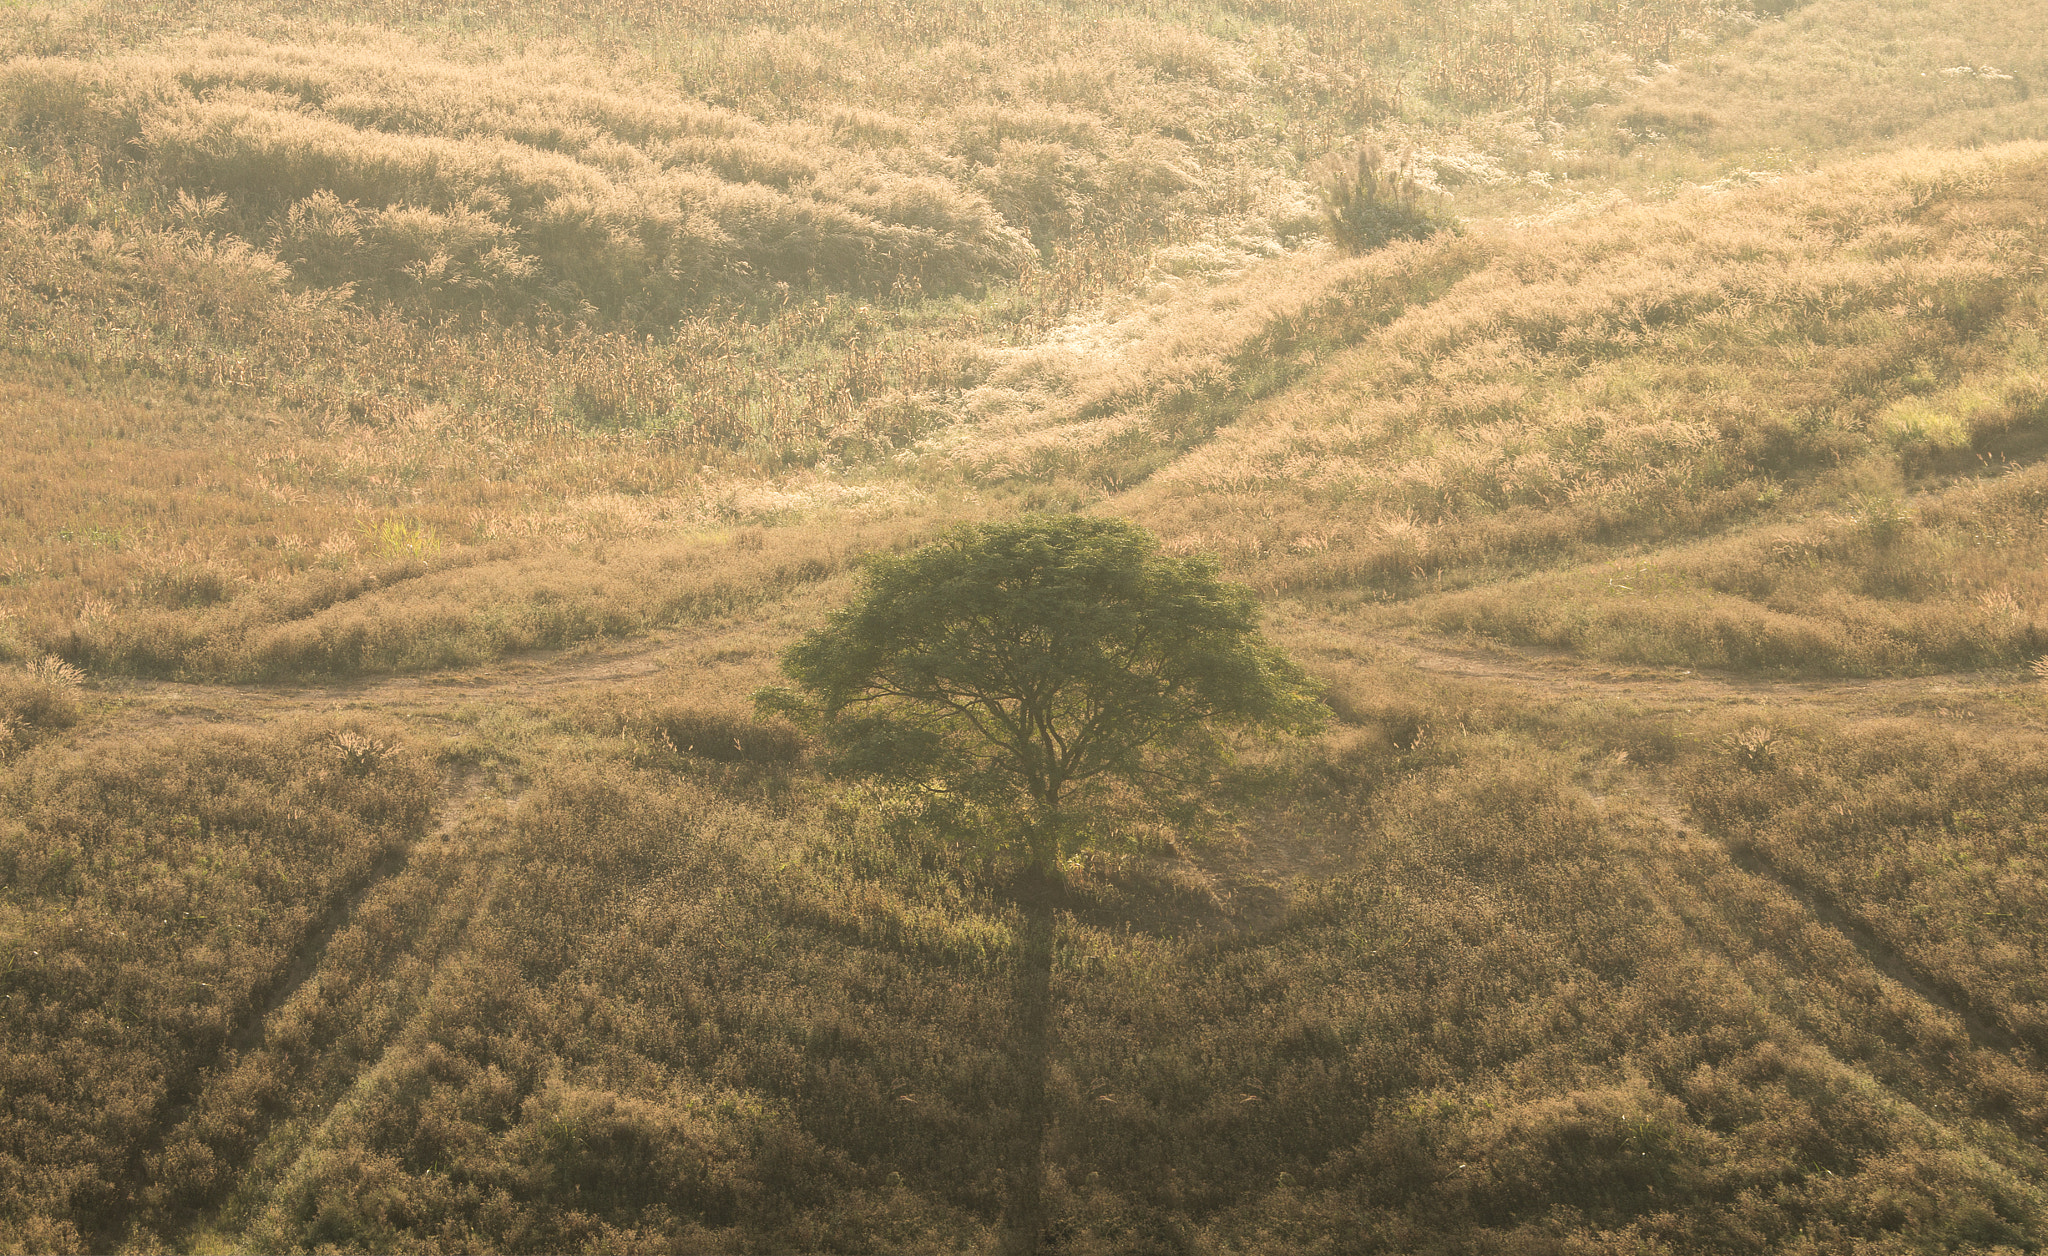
1367	204
37	700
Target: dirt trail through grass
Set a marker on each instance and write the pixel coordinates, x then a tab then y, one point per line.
524	678
1825	980
1824	975
1878	953
1978	697
1719	934
1973	696
1705	698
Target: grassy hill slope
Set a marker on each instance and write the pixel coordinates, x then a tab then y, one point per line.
429	423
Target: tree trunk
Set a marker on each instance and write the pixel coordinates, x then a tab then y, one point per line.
1024	1211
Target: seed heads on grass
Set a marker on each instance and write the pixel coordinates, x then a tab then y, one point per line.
51	670
2001	602
40	698
1756	747
403	538
176	586
337	550
360	753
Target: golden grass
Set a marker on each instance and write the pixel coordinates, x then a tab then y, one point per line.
1859	336
477	375
524	189
1836	77
1845	356
401	337
92	285
1921	833
712	1022
208	866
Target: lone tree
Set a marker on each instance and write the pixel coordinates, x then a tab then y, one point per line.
1022	666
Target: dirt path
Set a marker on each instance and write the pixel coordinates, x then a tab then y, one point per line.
526	678
1880	955
1956	696
1981	698
1255	882
1968	697
1885	958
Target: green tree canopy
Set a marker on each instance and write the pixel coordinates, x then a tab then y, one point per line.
1033	659
1021	664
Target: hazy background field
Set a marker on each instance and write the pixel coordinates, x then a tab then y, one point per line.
426	423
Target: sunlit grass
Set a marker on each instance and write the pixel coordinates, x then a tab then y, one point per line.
344	341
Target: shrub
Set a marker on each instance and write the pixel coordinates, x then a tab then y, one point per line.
1369	205
175	586
37	700
725	736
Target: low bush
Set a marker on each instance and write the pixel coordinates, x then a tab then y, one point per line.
37	700
1369	205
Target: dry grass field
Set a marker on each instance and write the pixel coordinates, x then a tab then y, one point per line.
425	424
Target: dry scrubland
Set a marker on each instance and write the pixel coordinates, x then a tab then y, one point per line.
425	426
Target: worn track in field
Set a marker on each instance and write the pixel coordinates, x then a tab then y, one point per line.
1679	869
163	704
455	807
311	999
454	892
154	708
541	675
1983	698
1259	875
185	1091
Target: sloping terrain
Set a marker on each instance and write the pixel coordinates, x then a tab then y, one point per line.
389	859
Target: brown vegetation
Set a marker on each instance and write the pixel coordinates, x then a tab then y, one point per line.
1669	879
1838	381
155	897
